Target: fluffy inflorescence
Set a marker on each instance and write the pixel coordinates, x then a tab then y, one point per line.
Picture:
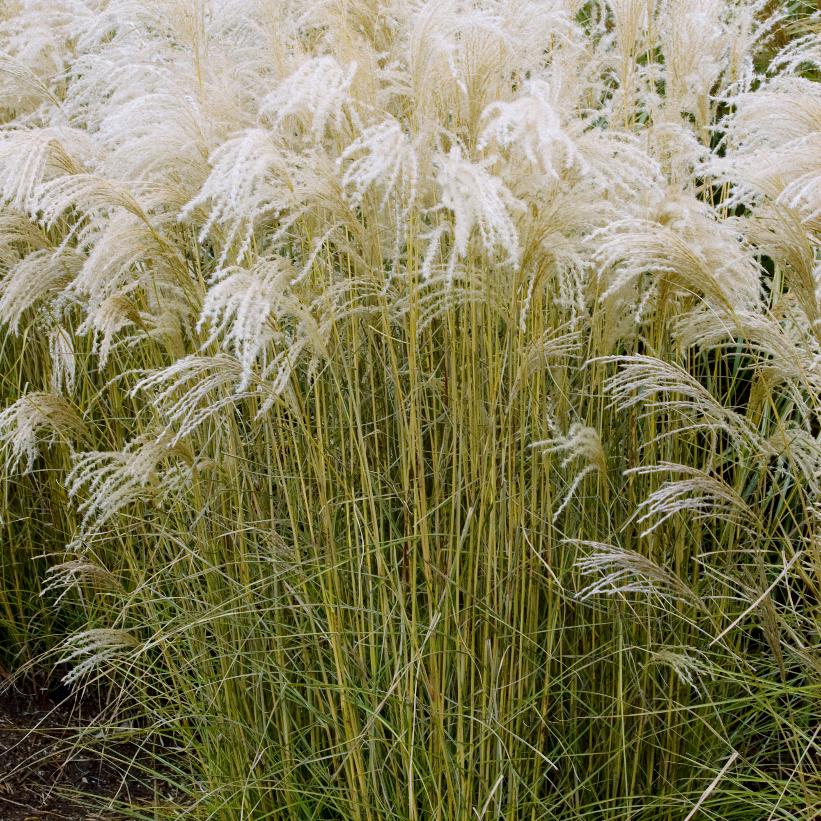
126	129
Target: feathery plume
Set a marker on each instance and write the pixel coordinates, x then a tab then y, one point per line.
40	276
699	495
623	571
111	480
383	157
245	309
95	647
531	123
34	418
318	91
580	443
477	199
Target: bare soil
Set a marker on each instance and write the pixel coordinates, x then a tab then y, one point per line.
43	775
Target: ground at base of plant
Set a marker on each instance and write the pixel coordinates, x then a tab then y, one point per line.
43	774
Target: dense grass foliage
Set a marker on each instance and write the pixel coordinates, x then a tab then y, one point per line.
411	409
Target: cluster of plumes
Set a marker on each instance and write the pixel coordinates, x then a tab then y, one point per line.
206	175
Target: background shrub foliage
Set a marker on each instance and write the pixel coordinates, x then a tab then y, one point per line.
411	409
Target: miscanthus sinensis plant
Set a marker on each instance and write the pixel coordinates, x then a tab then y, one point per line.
411	407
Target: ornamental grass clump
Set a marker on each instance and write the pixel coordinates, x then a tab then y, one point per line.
410	408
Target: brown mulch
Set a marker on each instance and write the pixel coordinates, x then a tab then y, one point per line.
43	775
